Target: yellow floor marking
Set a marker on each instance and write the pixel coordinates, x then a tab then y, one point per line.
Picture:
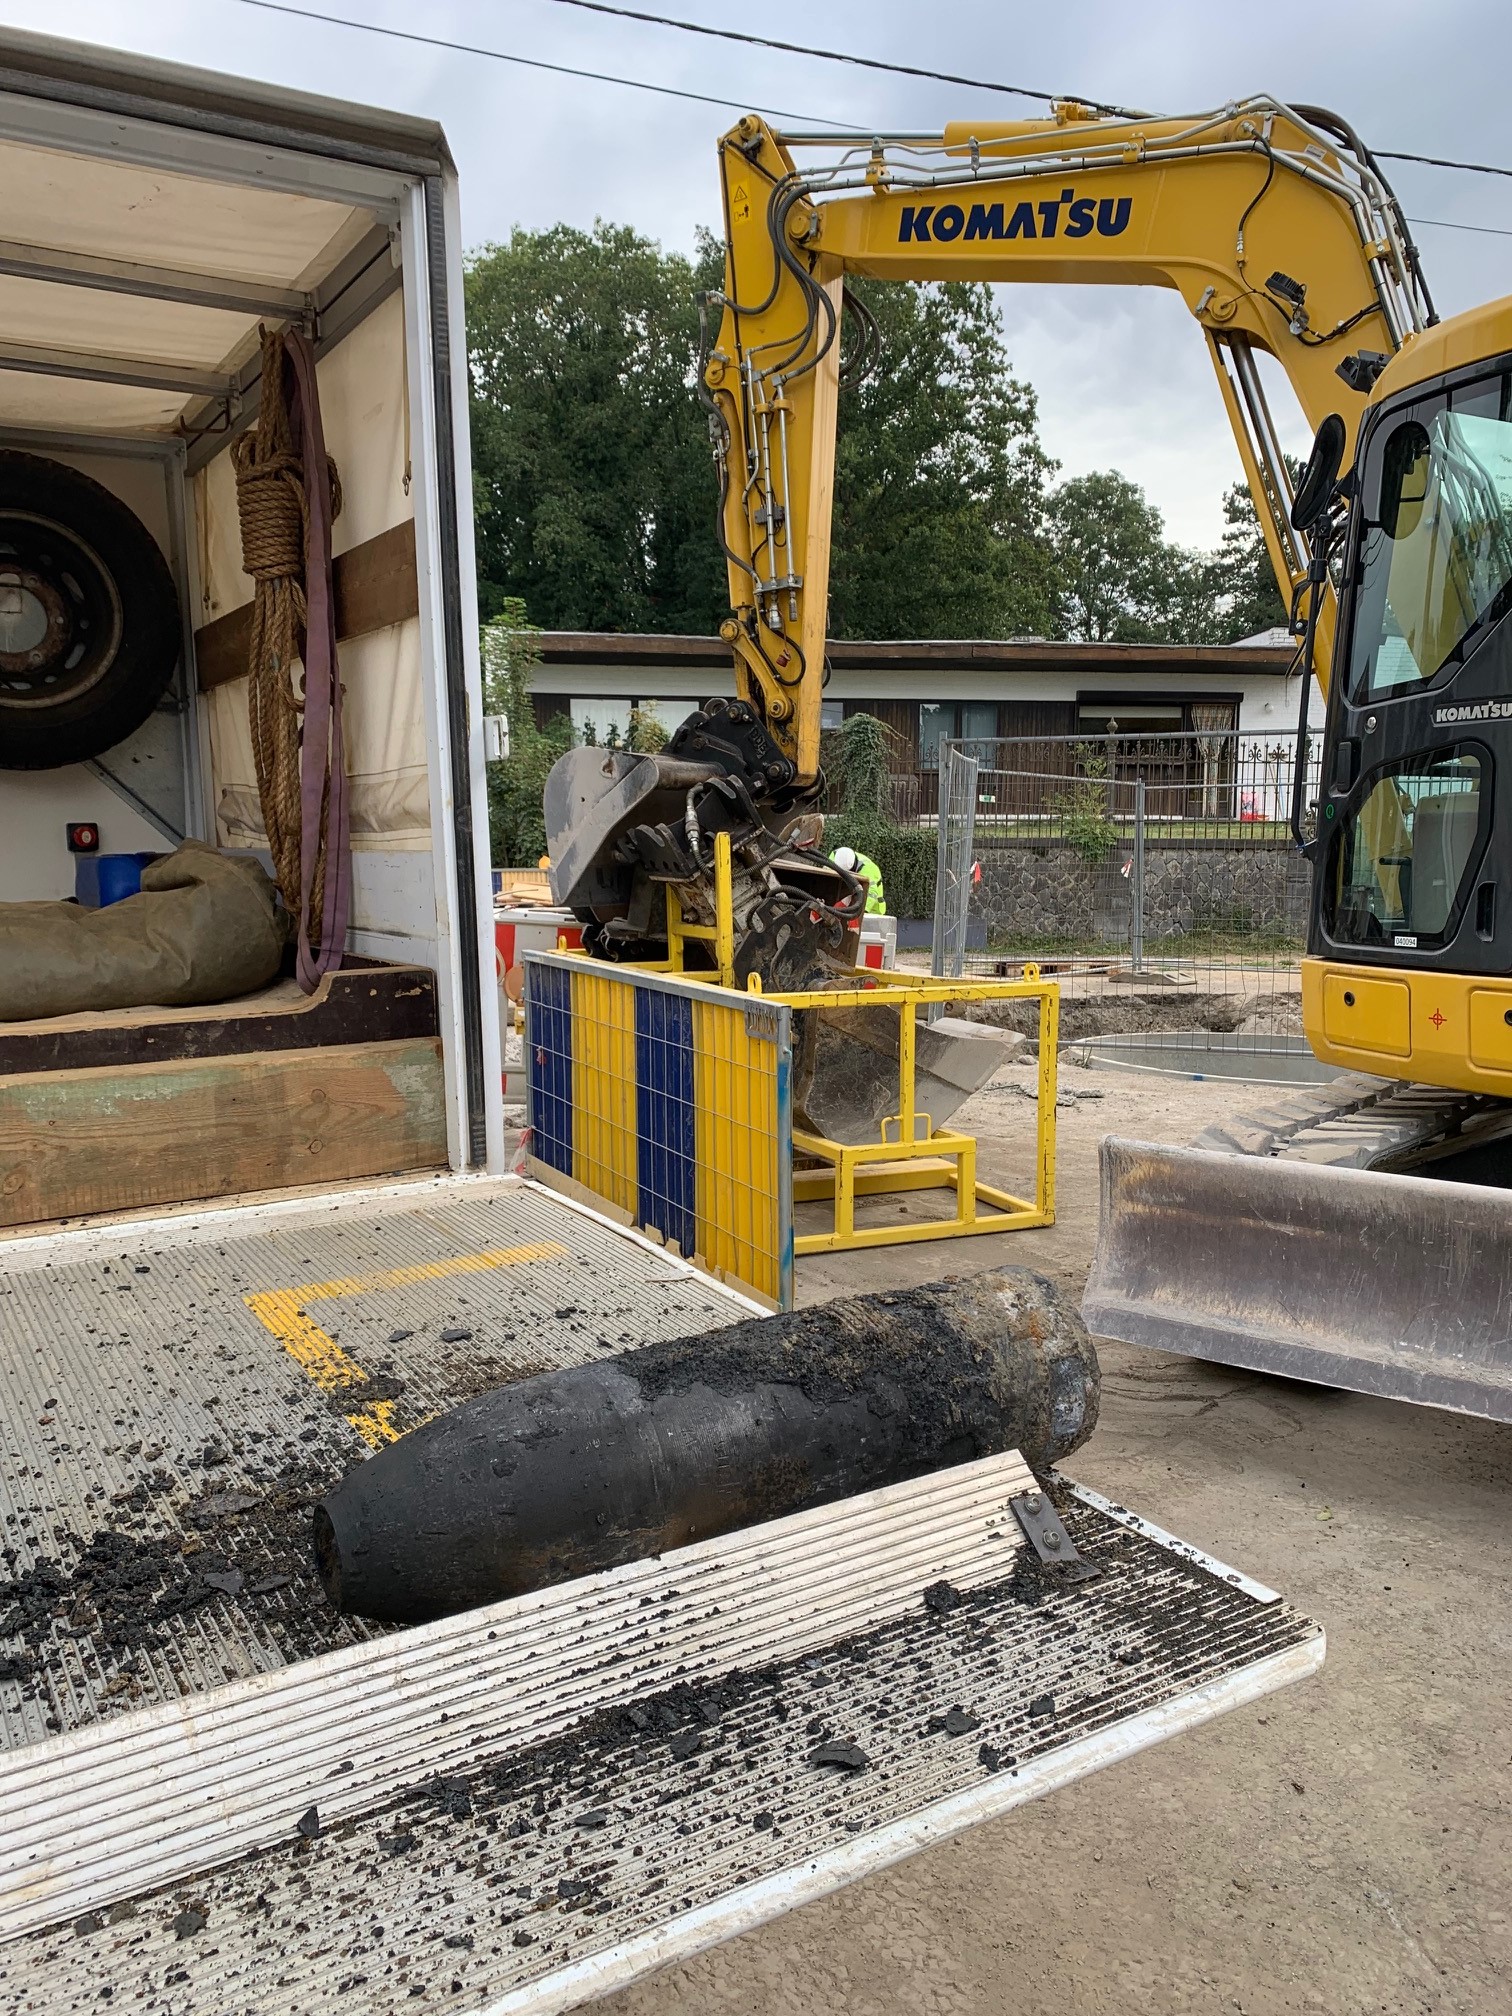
376	1425
432	1270
281	1312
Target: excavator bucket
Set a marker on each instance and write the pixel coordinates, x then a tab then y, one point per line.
845	1068
1397	1286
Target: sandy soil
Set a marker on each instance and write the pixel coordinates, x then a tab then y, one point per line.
1343	1847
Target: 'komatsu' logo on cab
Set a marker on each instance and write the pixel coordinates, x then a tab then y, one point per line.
1065	216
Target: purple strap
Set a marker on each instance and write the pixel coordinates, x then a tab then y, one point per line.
322	766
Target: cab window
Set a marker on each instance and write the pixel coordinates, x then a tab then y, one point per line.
1436	543
1406	849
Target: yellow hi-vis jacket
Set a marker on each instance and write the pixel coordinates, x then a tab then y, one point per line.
871	875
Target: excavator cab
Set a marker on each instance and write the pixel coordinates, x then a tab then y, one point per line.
1410	943
1327	1245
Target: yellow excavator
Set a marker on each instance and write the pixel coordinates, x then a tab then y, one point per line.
1298	1252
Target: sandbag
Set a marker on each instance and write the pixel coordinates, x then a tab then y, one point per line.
205	928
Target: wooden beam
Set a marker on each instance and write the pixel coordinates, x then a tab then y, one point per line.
376	584
380	1004
74	1142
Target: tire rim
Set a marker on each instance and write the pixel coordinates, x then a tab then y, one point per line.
60	613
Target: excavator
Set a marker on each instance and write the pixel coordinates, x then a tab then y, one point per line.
1291	1242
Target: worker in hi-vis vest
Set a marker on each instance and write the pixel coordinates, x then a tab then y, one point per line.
857	863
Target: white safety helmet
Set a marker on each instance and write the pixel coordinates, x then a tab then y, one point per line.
846	858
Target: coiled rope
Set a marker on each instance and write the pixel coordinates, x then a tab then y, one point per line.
296	724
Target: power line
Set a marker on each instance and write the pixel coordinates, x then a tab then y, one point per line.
1447	224
537	63
940	76
763	42
801	49
1433	161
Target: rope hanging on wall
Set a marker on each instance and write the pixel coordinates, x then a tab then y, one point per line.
287	494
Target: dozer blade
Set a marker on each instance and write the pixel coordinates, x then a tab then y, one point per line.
1393	1285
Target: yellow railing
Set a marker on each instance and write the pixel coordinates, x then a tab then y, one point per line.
910	1153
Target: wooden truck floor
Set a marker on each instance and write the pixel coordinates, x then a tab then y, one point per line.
245	1802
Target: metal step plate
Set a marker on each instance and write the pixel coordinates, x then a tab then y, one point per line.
175	1395
527	1806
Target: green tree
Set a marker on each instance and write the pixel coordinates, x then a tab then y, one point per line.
511	651
1242	582
1118	579
940	477
593	487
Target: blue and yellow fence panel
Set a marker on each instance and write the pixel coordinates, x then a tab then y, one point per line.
667	1100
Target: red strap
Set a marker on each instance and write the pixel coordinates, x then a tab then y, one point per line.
322	768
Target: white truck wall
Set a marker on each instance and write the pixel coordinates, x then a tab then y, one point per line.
364	408
37	807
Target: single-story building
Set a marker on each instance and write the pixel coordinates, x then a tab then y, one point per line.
1024	688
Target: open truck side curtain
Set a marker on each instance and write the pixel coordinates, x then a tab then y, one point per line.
167	213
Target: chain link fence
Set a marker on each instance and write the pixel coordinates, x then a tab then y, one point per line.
1155	876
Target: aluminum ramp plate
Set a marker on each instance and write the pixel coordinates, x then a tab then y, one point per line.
524	1807
174	1395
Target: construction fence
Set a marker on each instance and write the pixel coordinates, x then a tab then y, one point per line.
666	1101
1133	868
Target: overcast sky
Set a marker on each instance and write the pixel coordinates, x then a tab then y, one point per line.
1122	374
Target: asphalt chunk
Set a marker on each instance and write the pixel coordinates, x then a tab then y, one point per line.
843	1756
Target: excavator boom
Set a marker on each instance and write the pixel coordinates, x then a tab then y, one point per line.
1273	223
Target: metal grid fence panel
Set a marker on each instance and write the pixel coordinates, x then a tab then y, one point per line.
667	1100
1142	868
959	787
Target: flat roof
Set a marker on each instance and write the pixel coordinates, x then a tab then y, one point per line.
595	647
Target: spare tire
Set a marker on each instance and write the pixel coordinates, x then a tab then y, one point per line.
89	620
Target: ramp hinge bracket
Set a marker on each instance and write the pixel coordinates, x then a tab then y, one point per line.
1048	1537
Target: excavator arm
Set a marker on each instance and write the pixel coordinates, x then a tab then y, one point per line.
1274	224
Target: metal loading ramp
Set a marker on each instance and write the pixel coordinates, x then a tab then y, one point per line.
528	1805
174	1396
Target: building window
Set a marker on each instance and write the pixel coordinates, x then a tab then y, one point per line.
971	721
605	721
1133	714
831	715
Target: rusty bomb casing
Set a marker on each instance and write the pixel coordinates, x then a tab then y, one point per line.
558	1475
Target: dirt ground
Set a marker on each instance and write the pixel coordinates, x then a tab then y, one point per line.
1344	1846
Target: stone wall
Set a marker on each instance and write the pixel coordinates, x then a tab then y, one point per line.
1052	892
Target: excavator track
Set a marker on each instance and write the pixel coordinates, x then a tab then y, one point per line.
1303	1238
1355	1122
